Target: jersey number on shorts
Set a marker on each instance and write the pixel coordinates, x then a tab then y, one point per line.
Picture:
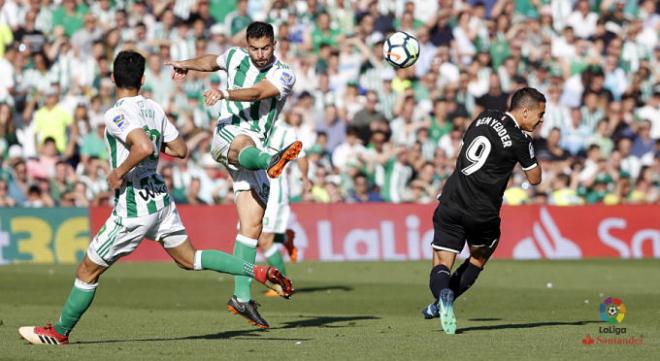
477	153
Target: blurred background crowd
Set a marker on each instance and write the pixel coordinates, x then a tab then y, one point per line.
372	134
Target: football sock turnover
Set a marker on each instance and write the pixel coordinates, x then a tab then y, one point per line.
252	158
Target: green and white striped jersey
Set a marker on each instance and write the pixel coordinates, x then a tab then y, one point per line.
281	135
256	116
143	191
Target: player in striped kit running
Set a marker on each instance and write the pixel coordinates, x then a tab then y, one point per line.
137	131
276	219
259	85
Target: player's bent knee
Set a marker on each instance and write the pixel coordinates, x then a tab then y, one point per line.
237	145
88	271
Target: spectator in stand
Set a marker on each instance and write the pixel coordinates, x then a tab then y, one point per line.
597	65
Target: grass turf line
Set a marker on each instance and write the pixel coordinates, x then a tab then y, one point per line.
355	310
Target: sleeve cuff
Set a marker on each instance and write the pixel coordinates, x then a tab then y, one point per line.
530	167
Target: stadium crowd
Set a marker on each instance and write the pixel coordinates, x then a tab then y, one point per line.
372	133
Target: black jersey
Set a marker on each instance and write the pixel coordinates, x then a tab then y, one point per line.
492	145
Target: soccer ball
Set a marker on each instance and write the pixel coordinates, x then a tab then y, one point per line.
612	311
401	49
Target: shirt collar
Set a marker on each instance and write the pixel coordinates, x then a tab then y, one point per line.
514	119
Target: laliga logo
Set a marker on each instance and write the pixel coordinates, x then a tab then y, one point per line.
546	242
612	310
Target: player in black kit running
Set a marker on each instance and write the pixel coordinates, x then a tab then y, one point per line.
470	203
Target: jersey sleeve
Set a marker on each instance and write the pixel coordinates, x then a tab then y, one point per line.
170	133
525	153
283	79
221	60
118	123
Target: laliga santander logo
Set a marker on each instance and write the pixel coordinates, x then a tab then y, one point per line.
612	310
546	241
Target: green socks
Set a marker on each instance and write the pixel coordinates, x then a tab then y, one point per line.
221	262
245	249
275	259
252	158
80	298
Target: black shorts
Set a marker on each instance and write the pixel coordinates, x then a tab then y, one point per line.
453	227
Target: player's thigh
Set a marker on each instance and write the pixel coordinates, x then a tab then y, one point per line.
251	180
449	233
250	213
171	234
118	237
483	238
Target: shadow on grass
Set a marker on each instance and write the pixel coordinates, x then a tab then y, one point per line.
252	334
324	289
522	325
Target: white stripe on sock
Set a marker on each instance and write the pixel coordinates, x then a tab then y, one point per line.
197	265
247	241
79	284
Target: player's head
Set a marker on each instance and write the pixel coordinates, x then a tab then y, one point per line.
528	106
128	70
261	43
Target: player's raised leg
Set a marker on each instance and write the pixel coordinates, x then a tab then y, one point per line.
253	158
188	258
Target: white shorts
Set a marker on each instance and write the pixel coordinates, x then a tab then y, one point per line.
120	236
276	218
243	179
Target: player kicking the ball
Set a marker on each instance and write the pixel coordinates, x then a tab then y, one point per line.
259	85
472	197
137	130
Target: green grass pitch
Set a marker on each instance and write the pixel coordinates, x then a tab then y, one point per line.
343	311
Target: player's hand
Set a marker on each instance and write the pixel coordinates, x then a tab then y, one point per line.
114	180
213	96
179	71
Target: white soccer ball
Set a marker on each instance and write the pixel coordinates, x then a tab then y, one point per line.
401	49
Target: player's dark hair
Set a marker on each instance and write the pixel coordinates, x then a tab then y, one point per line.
526	97
259	29
128	69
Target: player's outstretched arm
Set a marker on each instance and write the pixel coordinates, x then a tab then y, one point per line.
176	148
263	90
140	148
205	63
534	175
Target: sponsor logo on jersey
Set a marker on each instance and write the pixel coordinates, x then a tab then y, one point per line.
119	120
286	78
